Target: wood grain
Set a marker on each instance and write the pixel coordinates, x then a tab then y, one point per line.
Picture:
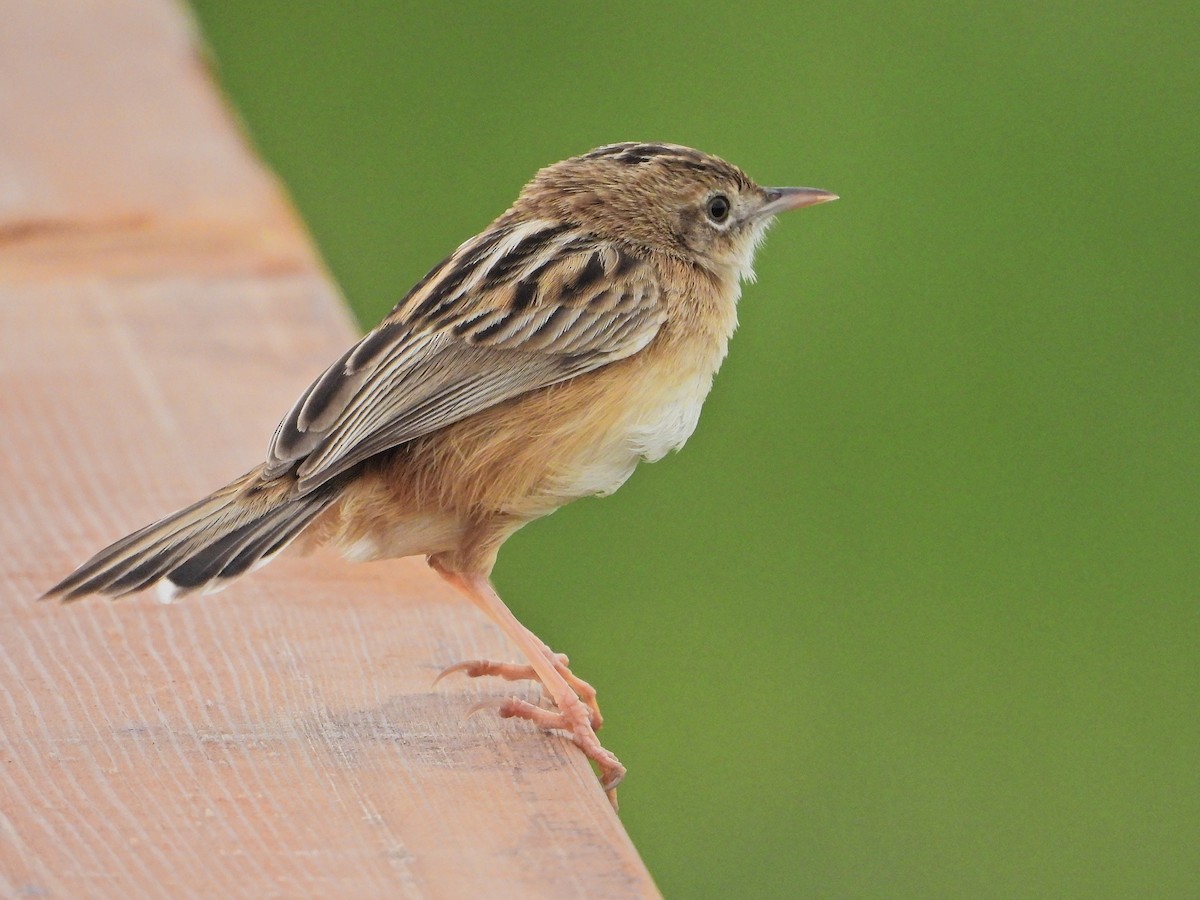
160	308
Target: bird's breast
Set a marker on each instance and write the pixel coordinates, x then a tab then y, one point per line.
647	411
667	424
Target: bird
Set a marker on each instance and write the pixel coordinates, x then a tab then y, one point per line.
539	363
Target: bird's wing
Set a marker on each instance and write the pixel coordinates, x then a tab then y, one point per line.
520	307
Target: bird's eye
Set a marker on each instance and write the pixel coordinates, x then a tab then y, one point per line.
718	208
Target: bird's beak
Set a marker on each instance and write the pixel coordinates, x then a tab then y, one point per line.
777	200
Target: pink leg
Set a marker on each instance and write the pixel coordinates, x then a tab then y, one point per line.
572	716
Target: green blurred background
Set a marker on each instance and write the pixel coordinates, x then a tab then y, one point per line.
915	613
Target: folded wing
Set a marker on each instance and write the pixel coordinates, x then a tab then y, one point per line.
518	308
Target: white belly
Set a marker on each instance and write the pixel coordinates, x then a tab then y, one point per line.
649	433
654	437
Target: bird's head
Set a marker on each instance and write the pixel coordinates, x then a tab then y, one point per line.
666	198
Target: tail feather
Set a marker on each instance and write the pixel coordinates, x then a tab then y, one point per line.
144	551
203	545
237	551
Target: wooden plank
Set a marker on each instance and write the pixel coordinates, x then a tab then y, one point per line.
160	308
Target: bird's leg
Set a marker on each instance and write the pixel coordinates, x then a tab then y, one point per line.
573	715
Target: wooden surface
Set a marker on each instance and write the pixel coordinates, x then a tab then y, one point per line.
160	308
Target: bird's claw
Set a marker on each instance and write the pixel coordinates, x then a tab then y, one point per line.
575	721
478	668
491	703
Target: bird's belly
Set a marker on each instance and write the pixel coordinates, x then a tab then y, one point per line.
649	432
654	438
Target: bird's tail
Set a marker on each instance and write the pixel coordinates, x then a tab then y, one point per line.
228	533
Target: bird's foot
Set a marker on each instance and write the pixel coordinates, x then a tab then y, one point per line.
575	720
477	668
575	699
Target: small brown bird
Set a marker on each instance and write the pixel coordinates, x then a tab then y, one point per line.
539	363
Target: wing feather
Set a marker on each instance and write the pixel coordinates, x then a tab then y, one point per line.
518	308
